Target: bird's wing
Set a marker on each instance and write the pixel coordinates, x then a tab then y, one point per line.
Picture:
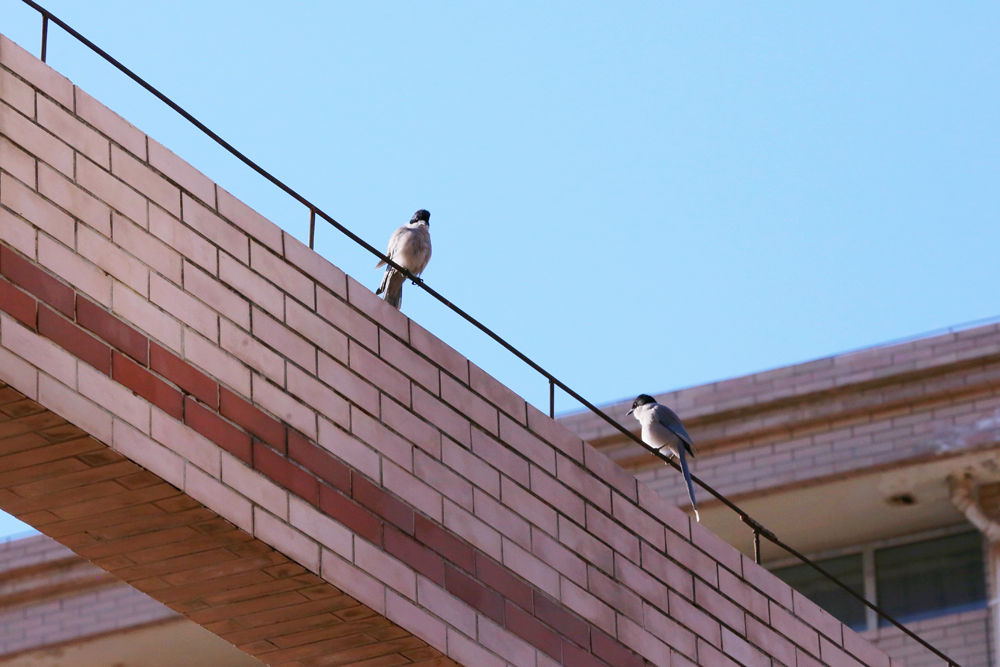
669	419
393	244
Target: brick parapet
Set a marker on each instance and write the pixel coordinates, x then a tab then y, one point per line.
171	322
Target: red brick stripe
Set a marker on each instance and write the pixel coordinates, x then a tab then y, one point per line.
294	462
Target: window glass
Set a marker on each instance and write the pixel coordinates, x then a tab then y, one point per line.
828	595
931	578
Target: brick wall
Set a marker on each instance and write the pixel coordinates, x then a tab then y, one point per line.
962	637
155	311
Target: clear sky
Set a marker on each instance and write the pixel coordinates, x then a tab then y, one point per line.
640	196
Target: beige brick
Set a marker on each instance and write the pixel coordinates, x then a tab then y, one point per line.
347	319
184	307
469	404
18	373
613	593
217	230
472	530
35	140
159	256
254	486
17	93
309	261
510	647
587	605
286	408
434	349
186	442
38	351
290	345
377	436
217	295
145	180
182	239
582	543
347	383
349	578
555	433
243	346
381	374
412	490
26	203
507	522
38	73
442	416
411	427
17	233
113	397
73	132
248	283
321	334
115	261
485	385
275	269
297	546
181	173
109	189
445	606
638	521
531	568
150	455
80	204
470	467
17	162
567	563
385	568
70	405
222	499
110	124
644	643
326	401
441	478
527	505
341	444
330	534
581	481
527	444
465	651
416	620
556	494
146	317
409	362
217	363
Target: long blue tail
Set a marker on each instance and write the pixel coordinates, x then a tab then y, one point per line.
687	479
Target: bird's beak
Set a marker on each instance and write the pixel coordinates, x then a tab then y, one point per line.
630	412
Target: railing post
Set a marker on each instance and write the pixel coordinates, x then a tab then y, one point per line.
756	546
312	228
552	399
45	35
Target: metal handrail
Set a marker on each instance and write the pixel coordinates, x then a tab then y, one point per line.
757	528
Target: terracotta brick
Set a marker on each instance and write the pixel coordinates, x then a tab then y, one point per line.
71	405
74	200
647	644
742	652
614	653
614	594
414	492
472	530
424	625
578	657
354	581
72	131
183	375
17	162
217	430
638	521
246	415
74	339
807	610
791	627
39	351
255	486
415	555
322	464
500	456
557	616
347	319
764	581
318	332
147	385
181	173
444	543
38	73
309	261
532	631
113	397
97	320
473	593
613	533
181	238
671	516
16	93
528	506
18	304
288	343
36	281
667	630
351	514
285	473
36	141
149	319
382	503
110	123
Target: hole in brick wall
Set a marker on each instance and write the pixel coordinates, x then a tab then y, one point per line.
901	500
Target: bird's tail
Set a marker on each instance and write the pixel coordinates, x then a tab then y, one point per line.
391	288
687	480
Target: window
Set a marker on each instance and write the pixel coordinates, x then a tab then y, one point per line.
909	581
828	595
931	578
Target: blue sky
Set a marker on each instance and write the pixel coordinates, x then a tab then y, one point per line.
641	196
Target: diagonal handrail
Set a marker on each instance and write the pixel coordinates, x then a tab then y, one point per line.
758	529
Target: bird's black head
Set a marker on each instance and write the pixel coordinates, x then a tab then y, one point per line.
423	215
641	399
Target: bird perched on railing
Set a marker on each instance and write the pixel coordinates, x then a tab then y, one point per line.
662	430
410	248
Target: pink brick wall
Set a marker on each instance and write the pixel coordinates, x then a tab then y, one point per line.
282	394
